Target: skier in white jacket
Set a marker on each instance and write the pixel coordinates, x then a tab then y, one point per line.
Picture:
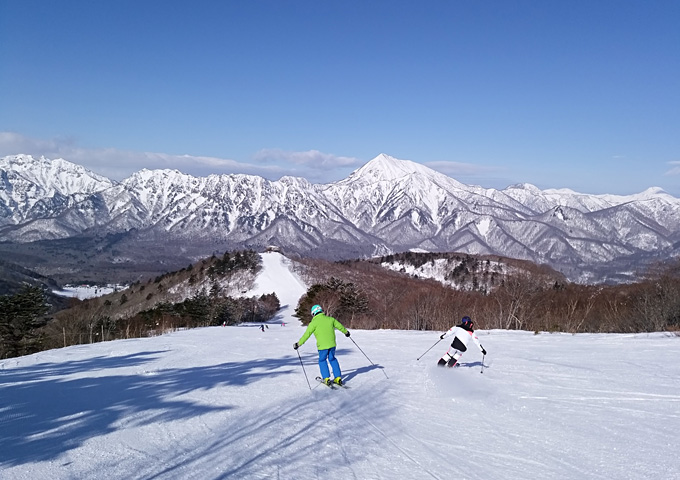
462	334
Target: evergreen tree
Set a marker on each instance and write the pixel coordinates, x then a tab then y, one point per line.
343	300
352	302
21	317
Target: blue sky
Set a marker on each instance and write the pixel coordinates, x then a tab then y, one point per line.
561	94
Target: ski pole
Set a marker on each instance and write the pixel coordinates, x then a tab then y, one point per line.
482	371
355	343
303	369
428	349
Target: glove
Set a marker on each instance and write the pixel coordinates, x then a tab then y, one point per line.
483	351
347	334
296	346
441	337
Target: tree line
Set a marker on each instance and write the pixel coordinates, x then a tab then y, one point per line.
196	296
360	294
363	295
26	328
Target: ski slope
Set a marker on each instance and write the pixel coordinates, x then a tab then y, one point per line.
276	276
235	402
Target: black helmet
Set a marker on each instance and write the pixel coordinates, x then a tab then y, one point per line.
467	321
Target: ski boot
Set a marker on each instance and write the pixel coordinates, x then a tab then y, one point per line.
444	361
454	360
338	381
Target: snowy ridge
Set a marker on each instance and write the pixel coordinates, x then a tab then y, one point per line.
32	189
387	205
54	176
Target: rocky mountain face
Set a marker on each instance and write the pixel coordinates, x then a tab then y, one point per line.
386	206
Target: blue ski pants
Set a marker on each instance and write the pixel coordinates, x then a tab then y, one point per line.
329	354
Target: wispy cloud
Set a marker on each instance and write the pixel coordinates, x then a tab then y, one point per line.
118	164
309	159
458	168
474	174
675	168
13	143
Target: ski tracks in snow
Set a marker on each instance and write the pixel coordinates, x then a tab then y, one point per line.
357	399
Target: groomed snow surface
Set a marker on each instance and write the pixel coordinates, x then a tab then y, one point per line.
234	402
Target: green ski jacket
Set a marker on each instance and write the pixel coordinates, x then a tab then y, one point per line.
323	327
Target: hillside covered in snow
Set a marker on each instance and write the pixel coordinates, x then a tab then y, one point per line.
238	403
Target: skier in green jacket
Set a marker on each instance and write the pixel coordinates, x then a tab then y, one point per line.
323	327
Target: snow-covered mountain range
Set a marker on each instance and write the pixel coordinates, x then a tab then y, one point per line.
386	206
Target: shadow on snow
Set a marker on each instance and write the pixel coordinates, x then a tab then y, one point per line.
44	413
278	444
48	409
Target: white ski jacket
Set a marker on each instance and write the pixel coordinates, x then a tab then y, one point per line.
464	336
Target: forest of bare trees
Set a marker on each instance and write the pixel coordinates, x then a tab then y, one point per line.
364	295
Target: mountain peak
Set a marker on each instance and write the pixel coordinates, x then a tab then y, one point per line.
56	175
387	168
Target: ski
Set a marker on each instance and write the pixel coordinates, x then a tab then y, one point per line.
331	385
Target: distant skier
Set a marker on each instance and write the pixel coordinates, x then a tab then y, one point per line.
323	327
262	327
462	335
